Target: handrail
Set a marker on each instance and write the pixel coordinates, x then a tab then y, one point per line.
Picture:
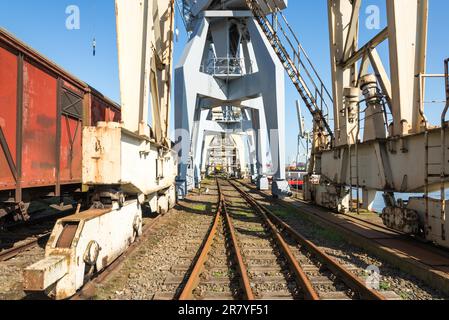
185	11
422	94
446	80
300	48
224	66
443	152
272	32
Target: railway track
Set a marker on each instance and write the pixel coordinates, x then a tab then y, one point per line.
237	259
215	275
247	253
20	238
416	240
15	251
88	290
250	254
273	271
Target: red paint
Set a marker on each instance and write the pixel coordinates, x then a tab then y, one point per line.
102	110
73	88
97	111
39	127
39	151
8	113
71	131
296	183
114	115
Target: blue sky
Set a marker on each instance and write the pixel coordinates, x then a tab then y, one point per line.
41	24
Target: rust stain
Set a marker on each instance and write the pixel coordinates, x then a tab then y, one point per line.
46	122
105	260
67	235
86	215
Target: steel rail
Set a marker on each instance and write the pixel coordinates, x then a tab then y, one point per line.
194	277
335	267
417	240
13	252
241	267
370	223
301	277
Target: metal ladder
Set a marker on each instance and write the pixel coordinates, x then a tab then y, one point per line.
434	171
271	31
354	175
433	177
185	10
444	176
430	176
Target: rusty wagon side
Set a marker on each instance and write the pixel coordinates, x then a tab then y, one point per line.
42	111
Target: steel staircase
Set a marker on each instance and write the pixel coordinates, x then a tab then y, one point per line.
444	175
436	171
184	9
271	31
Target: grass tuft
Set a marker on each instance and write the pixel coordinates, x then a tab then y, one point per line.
199	207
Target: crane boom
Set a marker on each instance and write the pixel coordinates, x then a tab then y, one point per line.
145	65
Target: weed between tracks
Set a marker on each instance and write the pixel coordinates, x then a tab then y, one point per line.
316	230
245	214
199	207
218	274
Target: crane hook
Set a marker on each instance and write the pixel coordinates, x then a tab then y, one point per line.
94	46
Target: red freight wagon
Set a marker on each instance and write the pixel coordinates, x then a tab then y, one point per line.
42	111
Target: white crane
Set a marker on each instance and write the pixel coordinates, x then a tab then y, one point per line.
126	165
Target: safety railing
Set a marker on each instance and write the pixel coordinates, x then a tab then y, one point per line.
444	175
229	114
227	67
296	62
356	134
446	80
184	9
423	101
